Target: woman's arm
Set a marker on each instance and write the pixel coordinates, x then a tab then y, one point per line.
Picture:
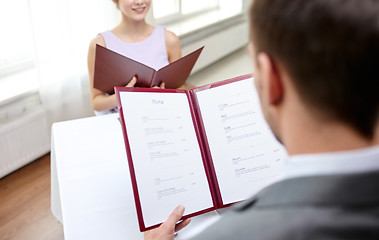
99	101
174	51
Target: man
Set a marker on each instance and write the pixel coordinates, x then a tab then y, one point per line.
316	72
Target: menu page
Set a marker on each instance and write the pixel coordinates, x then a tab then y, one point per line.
245	154
165	153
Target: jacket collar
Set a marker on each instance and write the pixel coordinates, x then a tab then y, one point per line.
353	190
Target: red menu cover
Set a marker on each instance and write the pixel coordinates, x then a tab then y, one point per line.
204	148
113	69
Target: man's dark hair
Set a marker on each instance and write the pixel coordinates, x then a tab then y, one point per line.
330	48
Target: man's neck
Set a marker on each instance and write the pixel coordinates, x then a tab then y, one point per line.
305	135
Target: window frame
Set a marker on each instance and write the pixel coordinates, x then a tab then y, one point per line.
16	65
179	16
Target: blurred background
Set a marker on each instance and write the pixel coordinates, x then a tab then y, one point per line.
43	60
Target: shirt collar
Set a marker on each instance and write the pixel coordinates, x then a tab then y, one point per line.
344	162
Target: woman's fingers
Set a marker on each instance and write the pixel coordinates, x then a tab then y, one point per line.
132	82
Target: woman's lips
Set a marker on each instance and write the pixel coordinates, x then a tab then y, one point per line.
139	10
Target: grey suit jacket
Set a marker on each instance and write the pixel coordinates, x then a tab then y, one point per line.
321	207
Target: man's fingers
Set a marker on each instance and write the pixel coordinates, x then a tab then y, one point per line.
182	224
175	216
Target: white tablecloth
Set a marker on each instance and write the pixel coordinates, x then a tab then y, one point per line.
91	192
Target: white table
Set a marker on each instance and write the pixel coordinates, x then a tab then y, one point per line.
91	193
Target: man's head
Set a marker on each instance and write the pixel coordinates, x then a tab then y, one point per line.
330	51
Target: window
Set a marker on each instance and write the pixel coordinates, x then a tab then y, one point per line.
184	17
171	10
193	6
165	8
17	65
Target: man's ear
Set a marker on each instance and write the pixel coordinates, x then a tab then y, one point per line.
271	77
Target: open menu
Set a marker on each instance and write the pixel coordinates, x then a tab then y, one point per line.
113	69
204	148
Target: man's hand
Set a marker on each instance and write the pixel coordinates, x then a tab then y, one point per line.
167	230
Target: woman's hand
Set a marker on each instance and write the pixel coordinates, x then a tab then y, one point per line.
162	85
132	82
167	230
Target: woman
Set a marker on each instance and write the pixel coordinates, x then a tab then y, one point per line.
153	46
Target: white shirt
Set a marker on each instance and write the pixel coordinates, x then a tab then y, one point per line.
344	162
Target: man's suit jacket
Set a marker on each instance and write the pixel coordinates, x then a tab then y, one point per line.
320	207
